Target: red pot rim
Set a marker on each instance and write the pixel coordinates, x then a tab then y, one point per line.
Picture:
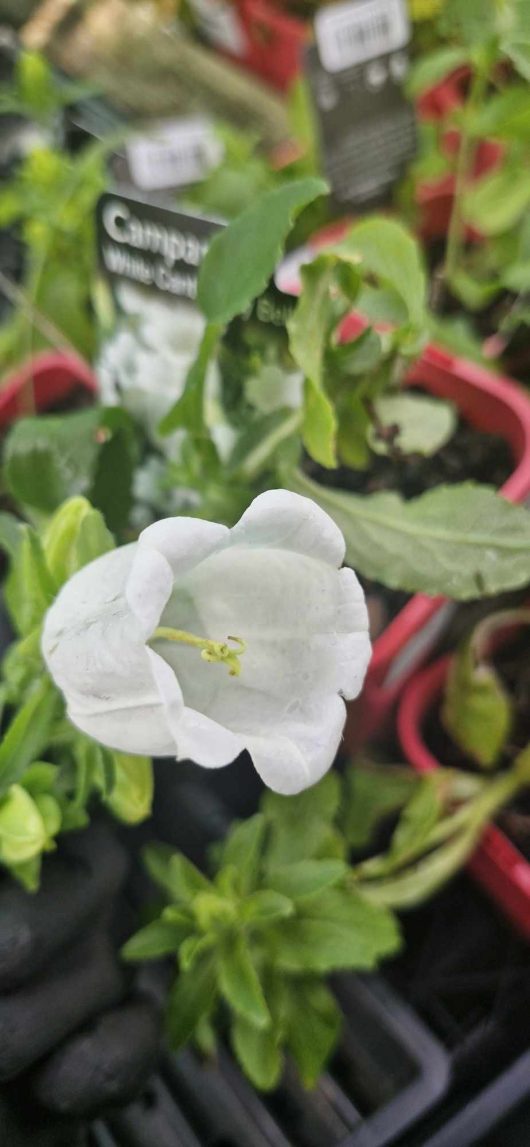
53	375
497	863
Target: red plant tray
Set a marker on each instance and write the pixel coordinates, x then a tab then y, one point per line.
492	404
497	864
41	382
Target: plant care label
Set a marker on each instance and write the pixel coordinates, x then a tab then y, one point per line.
356	68
174	153
220	25
153	246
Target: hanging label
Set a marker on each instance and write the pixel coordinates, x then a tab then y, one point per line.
366	127
153	246
176	153
220	25
350	33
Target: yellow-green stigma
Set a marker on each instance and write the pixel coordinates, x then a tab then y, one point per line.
212	651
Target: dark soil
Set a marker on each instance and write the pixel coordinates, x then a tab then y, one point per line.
469	455
512	663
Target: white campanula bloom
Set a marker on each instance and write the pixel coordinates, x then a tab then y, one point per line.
199	641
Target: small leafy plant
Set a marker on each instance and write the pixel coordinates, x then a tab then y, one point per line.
285	904
50	772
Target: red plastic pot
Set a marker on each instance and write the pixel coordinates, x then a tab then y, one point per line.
492	404
497	864
43	381
275	41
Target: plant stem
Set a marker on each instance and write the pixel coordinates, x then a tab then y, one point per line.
464	167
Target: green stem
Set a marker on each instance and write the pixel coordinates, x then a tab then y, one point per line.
464	166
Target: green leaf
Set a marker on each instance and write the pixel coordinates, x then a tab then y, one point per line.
112	478
22	830
160	938
131	796
40	777
185	880
477	710
192	948
188	410
10	535
319	425
384	248
299	828
241	259
75	535
239	982
192	998
51	457
29	587
425	424
265	907
28	873
433	67
258	1053
337	930
255	448
371	794
463	541
357	356
306	878
420	815
498	200
243	849
506	115
28	734
314	1022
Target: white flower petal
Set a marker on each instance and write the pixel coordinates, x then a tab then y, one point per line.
184	542
290	521
149	587
206	742
299	752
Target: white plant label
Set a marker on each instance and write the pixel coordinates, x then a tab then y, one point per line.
353	32
220	24
178	152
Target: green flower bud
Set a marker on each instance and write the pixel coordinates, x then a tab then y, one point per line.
132	794
22	829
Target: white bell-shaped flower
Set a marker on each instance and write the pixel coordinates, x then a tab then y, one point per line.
199	641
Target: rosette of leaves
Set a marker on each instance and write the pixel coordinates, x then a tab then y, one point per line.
49	772
351	402
285	904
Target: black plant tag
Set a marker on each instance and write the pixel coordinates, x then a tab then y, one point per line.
356	69
154	247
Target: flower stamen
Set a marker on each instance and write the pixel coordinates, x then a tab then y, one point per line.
212	651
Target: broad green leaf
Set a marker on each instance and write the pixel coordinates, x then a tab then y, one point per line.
498	200
22	830
112	478
131	796
314	317
266	906
191	999
29	587
306	877
40	777
243	849
372	793
50	811
239	982
319	425
474	293
192	948
51	457
356	356
515	41
241	259
258	1053
93	540
505	116
28	734
10	535
352	436
433	67
157	860
337	930
463	541
384	248
185	880
160	938
382	305
314	1022
471	23
425	424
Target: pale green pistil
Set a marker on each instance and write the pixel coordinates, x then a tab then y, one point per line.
213	651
